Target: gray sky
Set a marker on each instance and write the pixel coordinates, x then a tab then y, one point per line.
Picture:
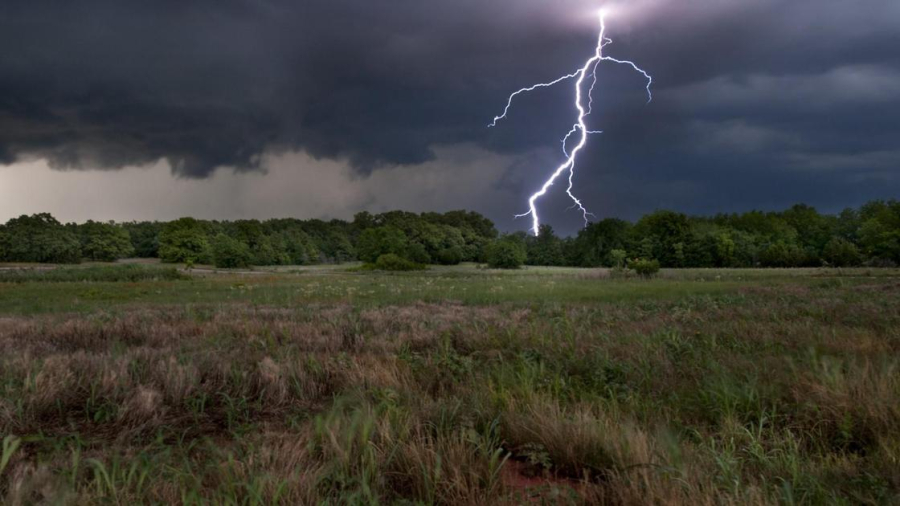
262	108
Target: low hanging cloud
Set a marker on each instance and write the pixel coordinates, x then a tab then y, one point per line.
291	184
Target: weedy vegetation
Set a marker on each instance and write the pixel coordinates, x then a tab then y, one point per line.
107	273
454	385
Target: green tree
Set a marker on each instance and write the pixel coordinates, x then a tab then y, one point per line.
767	225
847	225
592	246
363	220
879	240
648	247
678	255
476	231
506	253
840	252
184	240
4	244
665	229
251	233
337	245
747	248
725	250
782	254
332	239
230	253
813	229
269	251
886	212
40	238
616	258
374	242
452	246
104	242
452	255
144	237
417	253
470	221
545	249
879	232
298	247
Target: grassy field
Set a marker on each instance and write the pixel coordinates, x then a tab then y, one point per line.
305	385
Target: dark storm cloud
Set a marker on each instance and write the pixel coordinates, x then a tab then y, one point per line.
756	102
210	83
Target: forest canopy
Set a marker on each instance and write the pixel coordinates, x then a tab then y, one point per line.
797	237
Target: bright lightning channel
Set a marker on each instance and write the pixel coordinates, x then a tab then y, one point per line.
590	67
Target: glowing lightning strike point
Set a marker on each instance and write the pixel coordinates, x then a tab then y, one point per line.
580	126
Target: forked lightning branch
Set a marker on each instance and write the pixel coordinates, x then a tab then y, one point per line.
579	128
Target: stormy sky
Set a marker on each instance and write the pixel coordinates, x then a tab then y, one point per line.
139	109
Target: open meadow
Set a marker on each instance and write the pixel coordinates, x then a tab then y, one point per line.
143	384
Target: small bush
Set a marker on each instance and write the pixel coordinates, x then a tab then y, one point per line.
643	267
392	262
505	254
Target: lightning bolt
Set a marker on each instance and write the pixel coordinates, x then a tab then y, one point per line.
580	128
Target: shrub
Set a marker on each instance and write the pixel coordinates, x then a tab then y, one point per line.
392	262
643	267
840	252
229	253
505	254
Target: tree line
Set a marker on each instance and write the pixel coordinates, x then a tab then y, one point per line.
797	237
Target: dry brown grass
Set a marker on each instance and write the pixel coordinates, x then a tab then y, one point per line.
779	395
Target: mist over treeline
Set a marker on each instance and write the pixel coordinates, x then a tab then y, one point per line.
797	237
